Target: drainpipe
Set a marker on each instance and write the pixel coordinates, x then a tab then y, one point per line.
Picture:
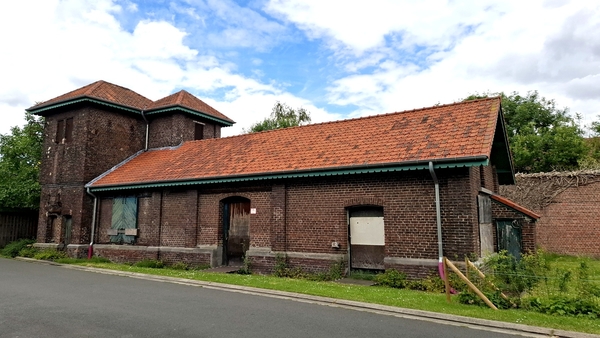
147	124
439	220
91	247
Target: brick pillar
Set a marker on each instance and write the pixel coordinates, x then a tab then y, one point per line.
278	201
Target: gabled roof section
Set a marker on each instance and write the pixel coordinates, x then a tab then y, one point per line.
183	99
505	201
454	135
99	91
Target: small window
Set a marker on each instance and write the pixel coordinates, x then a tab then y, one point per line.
198	131
69	130
64	130
60	131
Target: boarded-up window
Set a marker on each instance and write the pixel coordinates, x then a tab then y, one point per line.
124	220
367	238
198	131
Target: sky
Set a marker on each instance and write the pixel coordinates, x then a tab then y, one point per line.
337	59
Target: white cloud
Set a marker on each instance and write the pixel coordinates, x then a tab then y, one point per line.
550	46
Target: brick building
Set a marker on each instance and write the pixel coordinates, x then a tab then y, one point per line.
139	179
568	203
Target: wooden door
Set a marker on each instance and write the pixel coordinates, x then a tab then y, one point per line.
509	237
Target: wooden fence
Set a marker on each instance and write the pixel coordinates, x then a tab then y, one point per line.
16	225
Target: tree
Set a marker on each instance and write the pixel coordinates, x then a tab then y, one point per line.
541	136
20	157
282	116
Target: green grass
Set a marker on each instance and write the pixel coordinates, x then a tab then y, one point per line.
371	294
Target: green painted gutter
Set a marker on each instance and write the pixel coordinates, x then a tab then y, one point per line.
38	111
192	112
470	161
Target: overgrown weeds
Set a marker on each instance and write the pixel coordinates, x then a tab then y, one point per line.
12	249
282	269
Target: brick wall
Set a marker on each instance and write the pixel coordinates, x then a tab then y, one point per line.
101	138
172	130
306	215
571	223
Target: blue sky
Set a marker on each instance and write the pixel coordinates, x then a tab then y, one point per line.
338	59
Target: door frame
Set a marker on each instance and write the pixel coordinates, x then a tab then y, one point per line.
226	225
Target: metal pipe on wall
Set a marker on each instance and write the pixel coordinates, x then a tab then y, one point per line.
438	213
95	209
147	131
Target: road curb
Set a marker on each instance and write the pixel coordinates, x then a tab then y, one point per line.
475	323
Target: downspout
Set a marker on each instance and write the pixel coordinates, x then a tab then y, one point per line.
439	220
91	247
147	133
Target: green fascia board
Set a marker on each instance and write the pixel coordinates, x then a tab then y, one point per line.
84	99
322	173
192	112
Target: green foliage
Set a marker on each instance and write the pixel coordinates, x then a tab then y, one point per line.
93	260
542	137
246	266
28	251
20	158
282	269
282	116
392	278
12	249
150	263
430	284
515	276
50	255
179	266
564	306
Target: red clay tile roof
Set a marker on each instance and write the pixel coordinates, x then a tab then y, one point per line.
186	100
515	206
444	132
104	91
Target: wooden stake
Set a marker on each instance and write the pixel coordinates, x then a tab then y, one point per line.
482	275
471	286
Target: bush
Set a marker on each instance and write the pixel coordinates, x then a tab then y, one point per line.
28	251
430	284
150	263
392	278
179	266
12	249
516	276
50	255
564	306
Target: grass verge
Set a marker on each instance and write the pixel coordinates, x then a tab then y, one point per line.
369	294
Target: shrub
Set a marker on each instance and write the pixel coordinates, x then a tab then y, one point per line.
564	306
94	259
50	255
28	251
150	263
392	278
516	276
12	249
179	266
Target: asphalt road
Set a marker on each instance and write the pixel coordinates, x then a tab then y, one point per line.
50	301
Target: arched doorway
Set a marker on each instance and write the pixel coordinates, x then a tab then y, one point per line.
236	230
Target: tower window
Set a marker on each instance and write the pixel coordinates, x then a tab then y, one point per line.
64	130
198	131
